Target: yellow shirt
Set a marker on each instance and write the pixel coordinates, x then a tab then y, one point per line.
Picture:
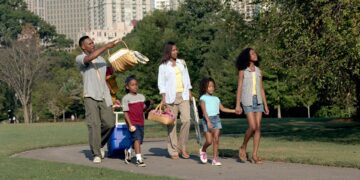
253	74
179	82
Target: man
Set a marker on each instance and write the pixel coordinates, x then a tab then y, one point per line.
97	100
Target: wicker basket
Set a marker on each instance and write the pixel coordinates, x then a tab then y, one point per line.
123	59
163	117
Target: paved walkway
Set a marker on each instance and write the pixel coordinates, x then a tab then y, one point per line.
158	164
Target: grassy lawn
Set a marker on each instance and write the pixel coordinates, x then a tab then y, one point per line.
20	137
314	141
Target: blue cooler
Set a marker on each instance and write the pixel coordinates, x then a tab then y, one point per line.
119	140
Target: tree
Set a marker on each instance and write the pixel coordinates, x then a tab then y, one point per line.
14	16
208	36
317	44
21	65
8	100
60	88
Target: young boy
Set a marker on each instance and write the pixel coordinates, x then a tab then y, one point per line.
133	105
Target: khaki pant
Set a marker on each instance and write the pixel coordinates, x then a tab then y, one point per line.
174	144
100	121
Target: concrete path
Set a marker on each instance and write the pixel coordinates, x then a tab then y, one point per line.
159	164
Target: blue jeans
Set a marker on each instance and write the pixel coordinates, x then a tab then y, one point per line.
256	107
215	121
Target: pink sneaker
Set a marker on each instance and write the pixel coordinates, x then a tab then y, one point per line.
203	156
215	162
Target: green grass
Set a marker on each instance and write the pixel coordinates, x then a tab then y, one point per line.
310	141
20	137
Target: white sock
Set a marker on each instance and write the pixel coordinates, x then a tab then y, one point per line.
138	157
129	150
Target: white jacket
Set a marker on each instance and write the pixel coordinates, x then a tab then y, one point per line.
167	80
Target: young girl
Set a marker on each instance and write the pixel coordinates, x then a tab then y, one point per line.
210	106
133	105
251	94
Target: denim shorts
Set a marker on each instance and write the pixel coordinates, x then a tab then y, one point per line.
215	121
256	107
138	134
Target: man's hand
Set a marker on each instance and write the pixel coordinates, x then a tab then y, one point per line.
113	43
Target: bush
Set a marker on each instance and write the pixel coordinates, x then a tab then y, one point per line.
335	111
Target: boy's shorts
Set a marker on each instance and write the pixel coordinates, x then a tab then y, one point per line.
138	134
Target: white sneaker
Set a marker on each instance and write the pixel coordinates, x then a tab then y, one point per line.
127	156
203	156
140	163
215	162
97	159
102	152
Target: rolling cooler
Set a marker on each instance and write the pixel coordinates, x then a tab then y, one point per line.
120	139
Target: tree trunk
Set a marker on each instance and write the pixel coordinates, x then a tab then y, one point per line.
63	116
357	92
308	111
30	112
27	115
54	118
278	107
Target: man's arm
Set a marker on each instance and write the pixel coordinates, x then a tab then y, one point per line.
99	51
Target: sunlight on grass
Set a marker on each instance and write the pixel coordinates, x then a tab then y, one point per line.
308	141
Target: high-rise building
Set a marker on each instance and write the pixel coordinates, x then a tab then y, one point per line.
86	16
167	4
112	19
105	14
100	36
69	17
38	7
245	7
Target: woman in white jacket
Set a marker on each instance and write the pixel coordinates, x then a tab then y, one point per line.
174	85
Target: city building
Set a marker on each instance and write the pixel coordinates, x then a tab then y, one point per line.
69	17
167	4
86	16
105	14
38	7
102	36
246	7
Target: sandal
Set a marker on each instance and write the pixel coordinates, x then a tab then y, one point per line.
184	155
174	157
257	161
242	155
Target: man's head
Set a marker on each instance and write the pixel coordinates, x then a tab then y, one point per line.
86	44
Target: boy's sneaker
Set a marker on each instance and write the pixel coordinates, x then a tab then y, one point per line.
203	156
215	162
127	156
97	159
102	152
140	163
